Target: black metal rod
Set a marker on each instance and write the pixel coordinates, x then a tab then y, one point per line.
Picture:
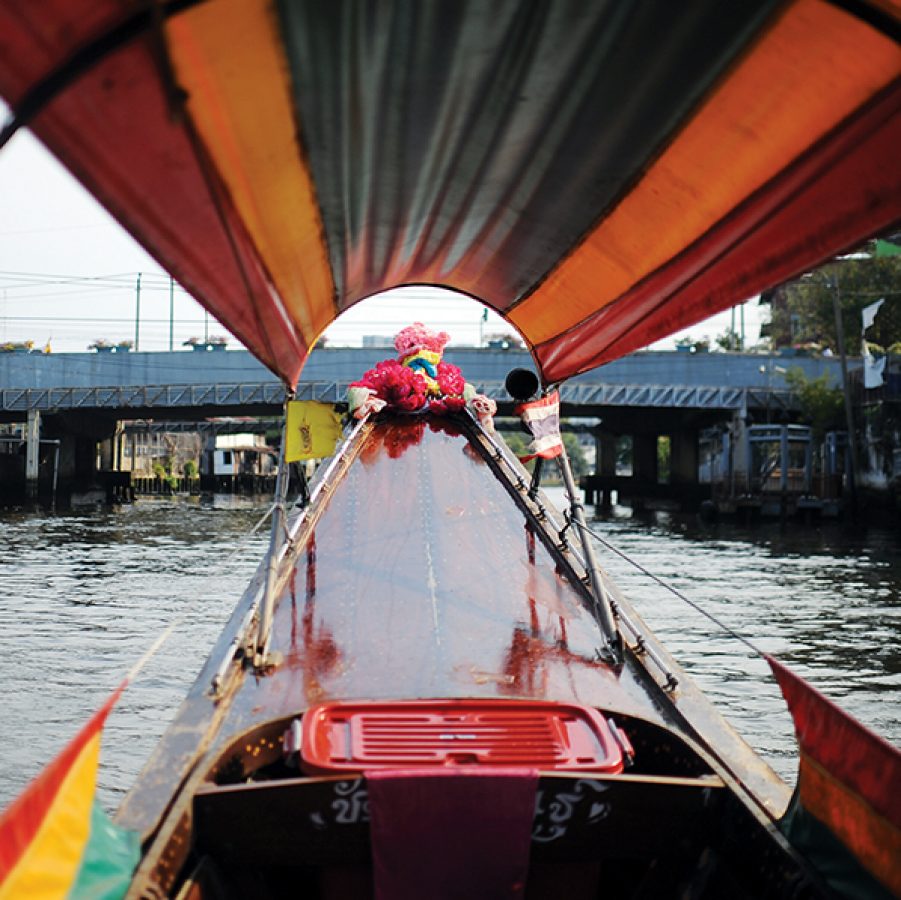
846	391
276	539
603	612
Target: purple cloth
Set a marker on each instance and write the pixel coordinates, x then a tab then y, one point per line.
451	834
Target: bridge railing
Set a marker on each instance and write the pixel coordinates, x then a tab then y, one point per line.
272	394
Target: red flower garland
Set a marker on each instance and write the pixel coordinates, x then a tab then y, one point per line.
401	384
400	387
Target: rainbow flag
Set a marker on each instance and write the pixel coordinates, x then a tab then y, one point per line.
55	840
845	816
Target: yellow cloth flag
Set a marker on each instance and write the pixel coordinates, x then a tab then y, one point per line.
312	430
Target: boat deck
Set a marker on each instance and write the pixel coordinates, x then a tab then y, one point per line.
421	580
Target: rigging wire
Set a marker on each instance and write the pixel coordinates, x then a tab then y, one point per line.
163	637
625	556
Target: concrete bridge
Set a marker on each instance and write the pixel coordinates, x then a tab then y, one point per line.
70	402
198	385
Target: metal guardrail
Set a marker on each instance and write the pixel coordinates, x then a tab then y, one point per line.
149	396
185	396
653	395
177	396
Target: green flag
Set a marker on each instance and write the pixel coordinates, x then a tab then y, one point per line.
887	248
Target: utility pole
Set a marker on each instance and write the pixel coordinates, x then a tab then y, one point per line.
846	390
138	313
171	310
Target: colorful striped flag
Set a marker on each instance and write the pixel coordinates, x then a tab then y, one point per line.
542	418
55	839
846	812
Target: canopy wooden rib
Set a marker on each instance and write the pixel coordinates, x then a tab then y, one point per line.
599	173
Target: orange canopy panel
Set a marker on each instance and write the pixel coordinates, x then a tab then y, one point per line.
599	173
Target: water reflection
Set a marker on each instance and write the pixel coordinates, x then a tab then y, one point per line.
313	649
84	594
825	600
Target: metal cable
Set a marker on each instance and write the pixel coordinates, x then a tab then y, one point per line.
670	588
170	628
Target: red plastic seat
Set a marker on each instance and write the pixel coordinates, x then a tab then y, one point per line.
341	737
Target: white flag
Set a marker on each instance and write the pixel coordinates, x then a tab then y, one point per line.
872	367
869	313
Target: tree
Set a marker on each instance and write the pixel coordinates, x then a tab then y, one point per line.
803	310
504	340
728	340
576	455
664	458
821	404
690	345
519	443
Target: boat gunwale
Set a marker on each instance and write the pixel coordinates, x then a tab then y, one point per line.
203	700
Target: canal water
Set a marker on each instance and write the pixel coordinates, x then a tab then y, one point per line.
83	594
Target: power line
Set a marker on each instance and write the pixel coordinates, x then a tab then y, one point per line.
57	228
107	320
53	275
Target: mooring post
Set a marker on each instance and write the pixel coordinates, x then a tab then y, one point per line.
55	471
783	459
846	392
32	451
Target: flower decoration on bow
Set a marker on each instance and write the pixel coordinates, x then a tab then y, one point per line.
418	379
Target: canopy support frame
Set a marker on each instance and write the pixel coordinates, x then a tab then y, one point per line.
604	612
277	537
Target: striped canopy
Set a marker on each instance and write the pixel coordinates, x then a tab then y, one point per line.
599	172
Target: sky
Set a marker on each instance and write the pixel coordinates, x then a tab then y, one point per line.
69	274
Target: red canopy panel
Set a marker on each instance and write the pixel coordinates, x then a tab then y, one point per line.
115	129
846	183
601	174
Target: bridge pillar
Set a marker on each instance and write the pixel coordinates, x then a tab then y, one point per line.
119	448
684	457
644	457
644	468
108	454
605	465
607	454
79	432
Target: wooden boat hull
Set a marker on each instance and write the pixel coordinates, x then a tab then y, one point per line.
422	569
